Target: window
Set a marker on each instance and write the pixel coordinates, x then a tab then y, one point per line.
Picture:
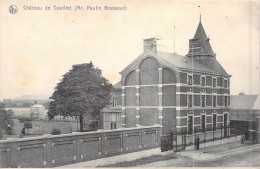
189	80
214	122
225	101
114	101
214	101
113	125
189	101
203	81
203	125
225	83
214	82
202	101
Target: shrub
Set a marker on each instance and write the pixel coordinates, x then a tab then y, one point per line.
55	131
28	125
21	119
9	129
28	119
1	135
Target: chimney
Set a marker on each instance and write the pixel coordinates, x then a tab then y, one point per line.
150	44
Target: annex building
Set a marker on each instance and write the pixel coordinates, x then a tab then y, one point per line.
181	93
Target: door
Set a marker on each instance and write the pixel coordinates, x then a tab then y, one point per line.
225	125
190	124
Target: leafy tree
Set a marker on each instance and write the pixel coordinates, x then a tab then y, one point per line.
82	90
94	125
6	119
28	125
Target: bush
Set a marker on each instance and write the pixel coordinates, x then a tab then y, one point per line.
28	125
9	129
55	131
1	135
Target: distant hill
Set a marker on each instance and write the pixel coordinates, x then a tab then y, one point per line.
33	97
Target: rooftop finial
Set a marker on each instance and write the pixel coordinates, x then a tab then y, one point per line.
200	13
174	41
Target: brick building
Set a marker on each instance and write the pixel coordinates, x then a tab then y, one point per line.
182	93
111	115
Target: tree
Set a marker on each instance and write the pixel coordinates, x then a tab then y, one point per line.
6	119
82	90
28	125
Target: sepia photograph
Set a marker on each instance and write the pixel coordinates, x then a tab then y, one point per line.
129	83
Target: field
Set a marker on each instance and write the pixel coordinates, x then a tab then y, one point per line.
42	127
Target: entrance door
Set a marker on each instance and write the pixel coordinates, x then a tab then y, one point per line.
190	124
225	125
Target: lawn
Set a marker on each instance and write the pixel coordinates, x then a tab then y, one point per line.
42	127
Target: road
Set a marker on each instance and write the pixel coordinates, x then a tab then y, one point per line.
247	157
244	159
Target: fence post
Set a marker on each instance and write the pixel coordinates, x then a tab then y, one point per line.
205	138
213	132
195	136
176	141
171	140
221	131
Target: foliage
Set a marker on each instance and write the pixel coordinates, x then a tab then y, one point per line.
6	119
82	90
28	125
55	131
94	125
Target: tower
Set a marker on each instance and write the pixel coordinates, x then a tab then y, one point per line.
199	46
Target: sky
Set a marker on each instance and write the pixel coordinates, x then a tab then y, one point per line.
38	47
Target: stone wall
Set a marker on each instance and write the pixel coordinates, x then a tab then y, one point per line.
58	150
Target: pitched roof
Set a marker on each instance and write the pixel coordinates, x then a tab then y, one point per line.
208	65
117	109
200	45
117	85
245	102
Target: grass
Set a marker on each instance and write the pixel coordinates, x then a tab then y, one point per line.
40	128
143	161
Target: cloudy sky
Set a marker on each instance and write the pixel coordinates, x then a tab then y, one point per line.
38	47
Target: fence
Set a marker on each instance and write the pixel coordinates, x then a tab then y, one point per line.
180	140
57	150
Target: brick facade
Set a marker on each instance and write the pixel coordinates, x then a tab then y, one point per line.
175	91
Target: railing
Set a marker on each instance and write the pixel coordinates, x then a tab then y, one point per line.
180	140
